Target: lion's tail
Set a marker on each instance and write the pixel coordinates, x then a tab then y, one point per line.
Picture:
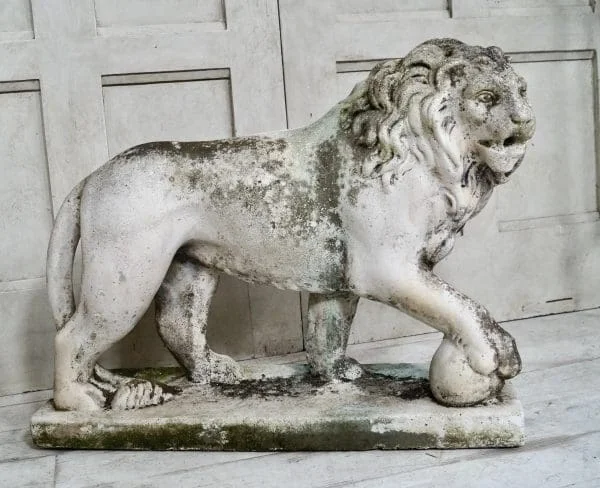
61	252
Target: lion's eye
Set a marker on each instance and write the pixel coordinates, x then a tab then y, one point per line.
523	91
486	97
420	78
419	73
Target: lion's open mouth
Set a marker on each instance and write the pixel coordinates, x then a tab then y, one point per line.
509	141
503	157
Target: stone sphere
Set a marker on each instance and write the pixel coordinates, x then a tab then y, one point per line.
454	383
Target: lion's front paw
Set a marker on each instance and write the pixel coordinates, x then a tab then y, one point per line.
491	350
509	360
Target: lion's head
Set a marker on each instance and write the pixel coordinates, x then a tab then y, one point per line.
460	109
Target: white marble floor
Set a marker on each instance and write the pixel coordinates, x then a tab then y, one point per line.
559	388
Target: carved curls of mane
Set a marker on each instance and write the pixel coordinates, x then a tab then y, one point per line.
386	111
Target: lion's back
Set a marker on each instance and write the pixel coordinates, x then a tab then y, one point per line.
179	173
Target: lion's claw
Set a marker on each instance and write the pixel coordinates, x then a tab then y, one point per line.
137	393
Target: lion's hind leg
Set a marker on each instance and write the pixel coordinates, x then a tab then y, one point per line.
118	285
72	389
81	384
329	321
182	305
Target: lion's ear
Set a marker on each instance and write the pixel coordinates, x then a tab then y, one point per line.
453	73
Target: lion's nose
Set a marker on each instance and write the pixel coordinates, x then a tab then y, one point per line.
525	125
524	117
528	128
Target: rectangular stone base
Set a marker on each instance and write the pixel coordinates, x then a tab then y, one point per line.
285	409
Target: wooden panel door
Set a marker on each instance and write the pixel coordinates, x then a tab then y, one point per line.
535	249
79	82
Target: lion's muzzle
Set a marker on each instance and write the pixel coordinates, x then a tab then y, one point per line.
505	156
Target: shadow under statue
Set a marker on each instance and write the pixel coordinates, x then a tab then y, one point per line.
361	203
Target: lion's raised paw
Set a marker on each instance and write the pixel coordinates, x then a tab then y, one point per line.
509	359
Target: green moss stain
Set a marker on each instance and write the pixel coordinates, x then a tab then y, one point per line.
213	150
155	437
405	388
318	436
156	375
324	435
335	435
327	181
456	437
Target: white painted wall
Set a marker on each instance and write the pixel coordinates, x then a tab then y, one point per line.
80	81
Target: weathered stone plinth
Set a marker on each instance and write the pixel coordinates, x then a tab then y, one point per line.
389	408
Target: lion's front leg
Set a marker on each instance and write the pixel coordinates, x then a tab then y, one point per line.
329	321
473	341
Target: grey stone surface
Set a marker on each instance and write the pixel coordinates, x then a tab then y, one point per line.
388	408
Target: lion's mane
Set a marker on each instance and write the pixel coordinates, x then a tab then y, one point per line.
400	112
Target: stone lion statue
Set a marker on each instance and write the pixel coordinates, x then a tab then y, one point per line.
361	203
